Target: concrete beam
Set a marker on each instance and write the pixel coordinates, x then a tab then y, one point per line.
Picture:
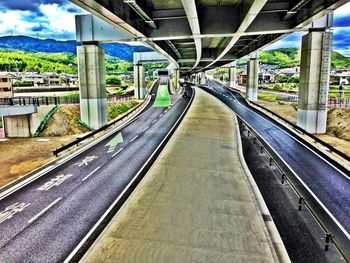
148	57
90	28
18	110
192	17
253	11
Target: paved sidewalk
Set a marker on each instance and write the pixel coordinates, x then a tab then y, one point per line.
194	205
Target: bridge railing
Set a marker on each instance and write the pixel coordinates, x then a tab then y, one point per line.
57	100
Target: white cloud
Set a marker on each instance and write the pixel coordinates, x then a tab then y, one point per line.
52	21
59	20
14	22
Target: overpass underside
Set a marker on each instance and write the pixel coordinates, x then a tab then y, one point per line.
204	34
199	35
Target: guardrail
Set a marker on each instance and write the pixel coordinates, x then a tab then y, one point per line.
305	195
57	100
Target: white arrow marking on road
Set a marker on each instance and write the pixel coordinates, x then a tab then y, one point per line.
54	182
112	144
11	210
87	160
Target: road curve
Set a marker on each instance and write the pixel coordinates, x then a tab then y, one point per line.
329	183
46	219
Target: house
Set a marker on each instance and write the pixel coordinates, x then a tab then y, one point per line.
52	79
5	84
35	78
344	78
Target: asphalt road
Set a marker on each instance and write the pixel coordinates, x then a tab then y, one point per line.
330	185
45	220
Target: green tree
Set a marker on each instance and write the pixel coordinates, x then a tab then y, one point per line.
113	80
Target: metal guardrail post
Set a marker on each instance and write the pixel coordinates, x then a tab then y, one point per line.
327	241
261	149
283	178
271	160
301	201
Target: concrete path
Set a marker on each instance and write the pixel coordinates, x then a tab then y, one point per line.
194	205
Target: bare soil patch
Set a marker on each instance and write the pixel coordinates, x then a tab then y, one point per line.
20	156
338	123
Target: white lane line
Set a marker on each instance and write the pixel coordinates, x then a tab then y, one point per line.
145	129
133	139
86	177
44	210
165	111
118	152
161	115
153	122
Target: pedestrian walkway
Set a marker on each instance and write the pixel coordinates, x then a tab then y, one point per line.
195	204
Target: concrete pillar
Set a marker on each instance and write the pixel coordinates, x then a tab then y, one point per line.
176	79
253	76
314	80
92	81
203	80
232	74
139	81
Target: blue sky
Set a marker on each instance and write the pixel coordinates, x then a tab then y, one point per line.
55	19
341	37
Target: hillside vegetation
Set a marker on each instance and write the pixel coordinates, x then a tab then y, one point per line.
52	62
290	57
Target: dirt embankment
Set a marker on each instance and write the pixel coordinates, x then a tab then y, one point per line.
65	121
338	123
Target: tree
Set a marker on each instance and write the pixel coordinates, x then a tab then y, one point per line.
113	80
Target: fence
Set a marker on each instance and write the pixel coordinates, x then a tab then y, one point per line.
332	102
22	101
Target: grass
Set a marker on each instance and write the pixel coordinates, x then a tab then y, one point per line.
266	96
116	109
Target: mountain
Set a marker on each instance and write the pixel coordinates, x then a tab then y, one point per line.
289	57
30	44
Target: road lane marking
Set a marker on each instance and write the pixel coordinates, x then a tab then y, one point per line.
133	139
145	129
161	115
153	122
54	182
11	210
87	160
86	177
112	144
165	111
118	152
44	210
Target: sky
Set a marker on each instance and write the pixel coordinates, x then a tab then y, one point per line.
341	33
55	19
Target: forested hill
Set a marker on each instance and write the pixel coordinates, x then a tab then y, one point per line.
289	57
30	44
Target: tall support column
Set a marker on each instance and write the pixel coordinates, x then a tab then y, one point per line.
232	75
139	81
253	76
177	79
314	79
203	81
92	82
